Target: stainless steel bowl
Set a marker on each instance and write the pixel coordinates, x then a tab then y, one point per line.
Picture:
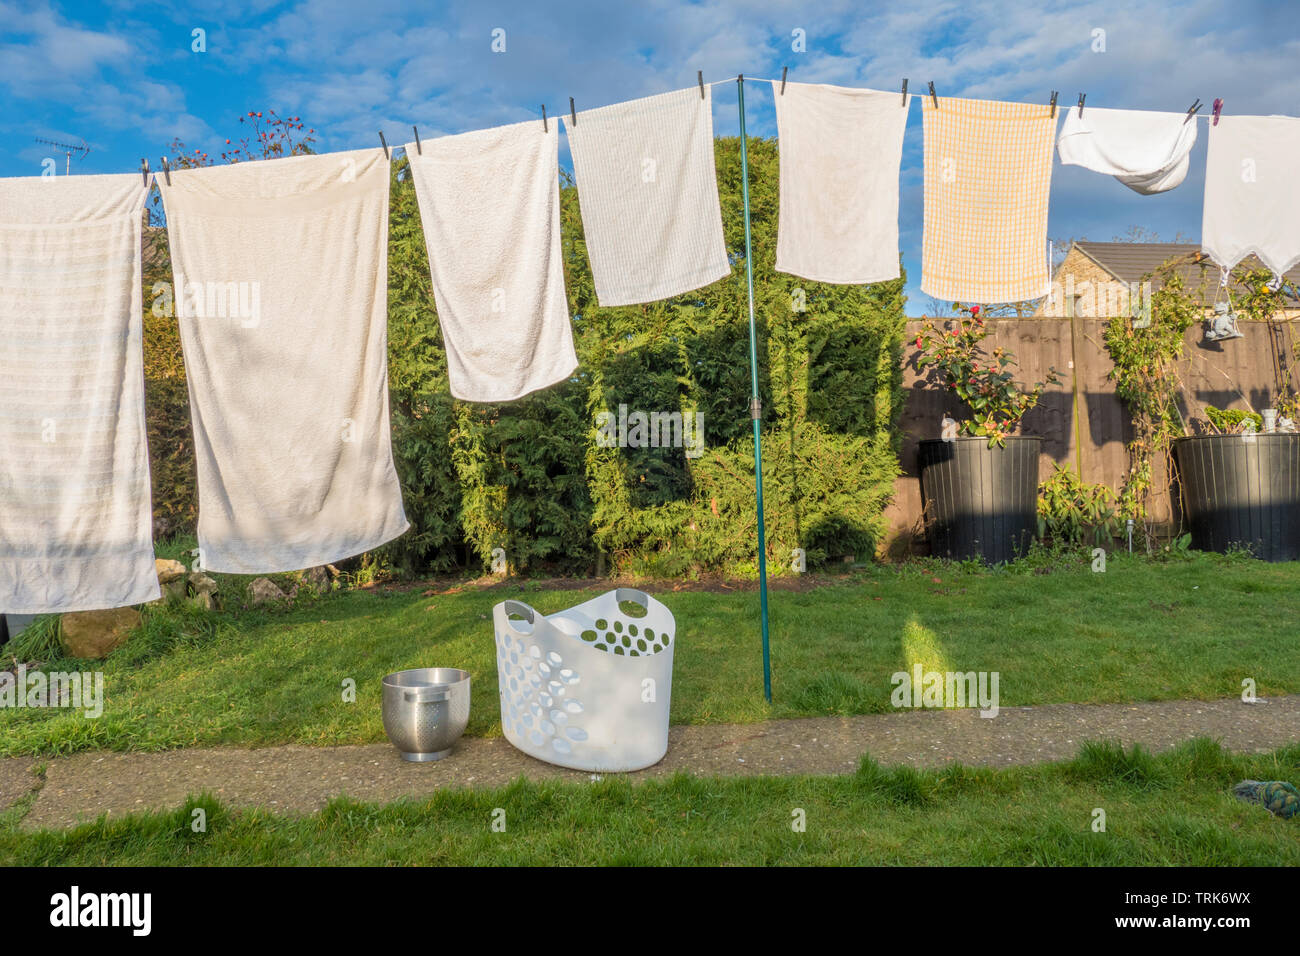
426	710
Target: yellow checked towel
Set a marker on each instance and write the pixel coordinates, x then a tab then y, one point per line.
988	171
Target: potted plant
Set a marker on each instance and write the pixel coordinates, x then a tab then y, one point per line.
979	482
1240	477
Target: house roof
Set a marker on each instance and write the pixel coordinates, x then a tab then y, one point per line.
1136	261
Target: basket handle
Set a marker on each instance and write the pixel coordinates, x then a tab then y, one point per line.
427	695
520	608
633	595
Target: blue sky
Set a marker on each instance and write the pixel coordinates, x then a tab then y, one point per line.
123	77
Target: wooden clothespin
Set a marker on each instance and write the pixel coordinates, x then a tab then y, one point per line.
699	75
1082	96
904	91
545	128
933	97
1218	108
418	148
383	142
1053	104
573	114
144	170
784	71
167	170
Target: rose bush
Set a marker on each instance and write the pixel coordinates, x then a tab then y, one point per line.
983	380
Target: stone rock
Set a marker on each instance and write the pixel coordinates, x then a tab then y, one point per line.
264	591
316	579
174	590
200	583
203	600
168	570
94	634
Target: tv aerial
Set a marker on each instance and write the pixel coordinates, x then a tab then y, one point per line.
68	149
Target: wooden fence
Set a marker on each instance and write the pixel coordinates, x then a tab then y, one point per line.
1081	420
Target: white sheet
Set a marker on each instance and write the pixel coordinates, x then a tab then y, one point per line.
1252	191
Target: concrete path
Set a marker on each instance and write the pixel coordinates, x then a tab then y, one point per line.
299	779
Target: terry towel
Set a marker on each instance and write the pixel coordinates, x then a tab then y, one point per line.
1146	151
840	154
281	289
490	206
649	196
988	172
1252	192
75	514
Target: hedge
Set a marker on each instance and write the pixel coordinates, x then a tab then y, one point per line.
528	481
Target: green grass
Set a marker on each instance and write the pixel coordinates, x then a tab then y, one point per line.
1187	627
1175	809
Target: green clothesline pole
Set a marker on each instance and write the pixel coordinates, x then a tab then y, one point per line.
755	404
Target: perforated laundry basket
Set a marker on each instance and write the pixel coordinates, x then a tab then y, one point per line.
587	687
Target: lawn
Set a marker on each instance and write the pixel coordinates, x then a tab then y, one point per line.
1174	809
1189	626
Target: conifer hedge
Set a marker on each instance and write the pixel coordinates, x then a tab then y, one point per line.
528	480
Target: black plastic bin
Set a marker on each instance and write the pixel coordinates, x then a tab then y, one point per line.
1243	491
980	502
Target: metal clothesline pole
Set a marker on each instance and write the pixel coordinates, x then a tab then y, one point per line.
755	403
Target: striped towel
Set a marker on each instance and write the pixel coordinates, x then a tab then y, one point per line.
648	192
75	526
988	171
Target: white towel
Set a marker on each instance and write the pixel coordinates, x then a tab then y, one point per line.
75	524
648	192
490	207
1146	151
1252	192
281	286
840	154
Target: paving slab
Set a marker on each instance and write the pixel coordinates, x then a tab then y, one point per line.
17	779
301	779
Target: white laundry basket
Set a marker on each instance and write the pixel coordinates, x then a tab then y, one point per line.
587	687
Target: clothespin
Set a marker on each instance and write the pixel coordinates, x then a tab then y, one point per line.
167	170
418	148
144	170
932	96
1082	96
784	70
1218	108
1053	104
573	114
545	128
384	143
1191	110
904	91
699	75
